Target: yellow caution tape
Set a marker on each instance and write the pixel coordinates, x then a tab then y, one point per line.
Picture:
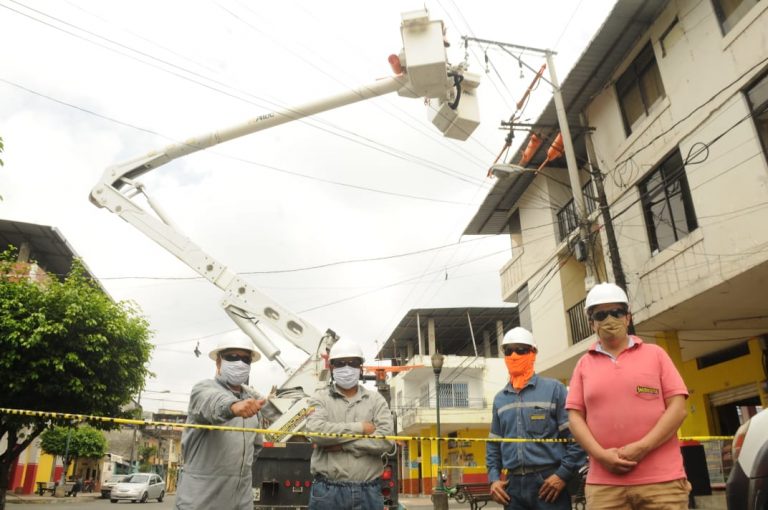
279	433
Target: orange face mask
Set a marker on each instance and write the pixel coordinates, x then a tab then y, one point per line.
520	368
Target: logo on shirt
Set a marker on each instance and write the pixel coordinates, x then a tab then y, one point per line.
538	417
647	390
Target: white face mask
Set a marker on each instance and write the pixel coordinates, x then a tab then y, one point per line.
235	373
346	377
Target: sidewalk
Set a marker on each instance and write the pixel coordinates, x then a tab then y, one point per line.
419	502
412	502
34	498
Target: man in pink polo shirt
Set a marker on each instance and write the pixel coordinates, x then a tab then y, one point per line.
625	404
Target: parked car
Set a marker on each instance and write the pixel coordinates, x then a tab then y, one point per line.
139	487
106	487
747	486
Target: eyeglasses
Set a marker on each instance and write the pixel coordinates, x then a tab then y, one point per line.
236	357
522	350
616	313
354	363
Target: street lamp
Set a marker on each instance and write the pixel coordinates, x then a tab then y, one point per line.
504	170
437	367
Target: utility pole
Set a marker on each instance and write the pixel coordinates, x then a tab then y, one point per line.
597	176
135	429
619	277
570	154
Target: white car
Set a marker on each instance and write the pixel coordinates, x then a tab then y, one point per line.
747	487
139	487
106	489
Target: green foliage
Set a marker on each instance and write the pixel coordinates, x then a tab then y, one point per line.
84	442
66	346
146	454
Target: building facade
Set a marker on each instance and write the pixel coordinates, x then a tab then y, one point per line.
471	375
668	103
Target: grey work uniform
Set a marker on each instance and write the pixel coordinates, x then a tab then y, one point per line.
217	463
348	478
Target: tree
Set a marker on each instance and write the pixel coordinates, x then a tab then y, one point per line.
65	346
146	454
72	443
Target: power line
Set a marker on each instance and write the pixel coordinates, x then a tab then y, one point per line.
382	147
240	159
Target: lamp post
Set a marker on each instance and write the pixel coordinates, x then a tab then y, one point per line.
439	498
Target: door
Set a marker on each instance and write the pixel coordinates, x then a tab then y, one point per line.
729	409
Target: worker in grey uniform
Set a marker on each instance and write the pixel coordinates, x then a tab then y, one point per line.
217	463
347	470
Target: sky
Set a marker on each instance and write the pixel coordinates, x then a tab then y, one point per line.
88	84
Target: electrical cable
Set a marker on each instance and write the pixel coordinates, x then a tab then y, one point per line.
217	88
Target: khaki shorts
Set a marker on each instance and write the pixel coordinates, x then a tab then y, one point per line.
653	496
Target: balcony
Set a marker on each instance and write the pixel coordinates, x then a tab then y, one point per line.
423	411
578	322
512	275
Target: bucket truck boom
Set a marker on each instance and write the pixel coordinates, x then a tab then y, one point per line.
422	71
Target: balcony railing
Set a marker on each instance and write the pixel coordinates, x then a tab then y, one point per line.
409	412
578	322
567	219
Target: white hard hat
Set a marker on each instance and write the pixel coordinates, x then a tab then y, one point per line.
240	342
345	349
603	293
519	335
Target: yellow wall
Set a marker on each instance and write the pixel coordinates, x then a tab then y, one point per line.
45	468
737	372
471	453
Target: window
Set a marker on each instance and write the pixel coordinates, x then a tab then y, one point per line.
670	37
758	103
639	87
722	356
667	204
454	395
730	12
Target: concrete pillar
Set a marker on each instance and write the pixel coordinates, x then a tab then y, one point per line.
419	335
487	343
409	349
431	336
24	252
499	338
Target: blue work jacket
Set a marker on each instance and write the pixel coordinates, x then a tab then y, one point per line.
537	411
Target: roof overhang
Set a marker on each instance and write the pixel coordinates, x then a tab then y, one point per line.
47	246
453	333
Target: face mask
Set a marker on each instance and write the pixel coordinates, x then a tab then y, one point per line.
346	377
520	368
234	373
612	328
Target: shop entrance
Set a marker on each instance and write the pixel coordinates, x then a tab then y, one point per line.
729	409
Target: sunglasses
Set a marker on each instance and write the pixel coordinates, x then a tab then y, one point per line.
522	351
616	313
354	363
237	357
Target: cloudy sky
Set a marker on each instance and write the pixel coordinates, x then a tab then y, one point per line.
87	84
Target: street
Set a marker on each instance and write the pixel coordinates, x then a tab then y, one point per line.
92	503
